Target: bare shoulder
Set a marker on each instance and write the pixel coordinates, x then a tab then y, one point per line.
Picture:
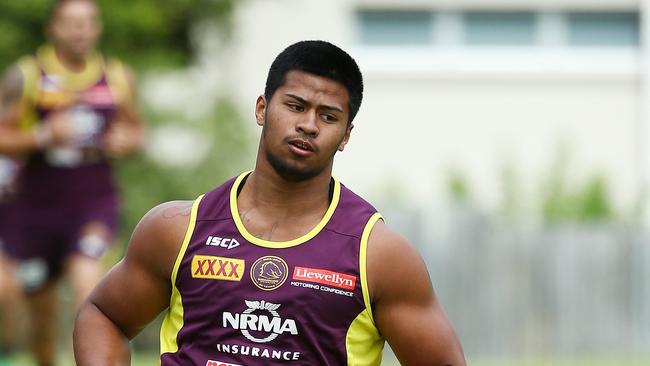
159	235
392	263
12	79
385	240
404	304
11	87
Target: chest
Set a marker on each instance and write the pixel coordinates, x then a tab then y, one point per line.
222	274
276	229
90	106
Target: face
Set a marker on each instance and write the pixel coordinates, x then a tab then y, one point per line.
75	28
303	125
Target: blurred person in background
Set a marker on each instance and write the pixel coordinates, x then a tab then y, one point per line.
9	292
66	112
280	265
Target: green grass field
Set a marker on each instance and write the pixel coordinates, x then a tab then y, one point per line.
138	359
605	361
151	359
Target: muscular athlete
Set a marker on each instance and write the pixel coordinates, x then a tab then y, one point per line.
65	112
281	265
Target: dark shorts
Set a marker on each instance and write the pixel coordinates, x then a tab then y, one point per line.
44	237
7	227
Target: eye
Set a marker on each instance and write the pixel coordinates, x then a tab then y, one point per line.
329	117
295	107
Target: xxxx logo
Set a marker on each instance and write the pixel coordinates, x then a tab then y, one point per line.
217	268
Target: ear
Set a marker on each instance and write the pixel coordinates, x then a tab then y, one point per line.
346	137
260	110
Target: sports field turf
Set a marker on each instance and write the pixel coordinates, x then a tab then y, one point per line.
151	359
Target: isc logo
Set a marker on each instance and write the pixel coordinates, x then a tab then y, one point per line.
216	241
219	363
217	268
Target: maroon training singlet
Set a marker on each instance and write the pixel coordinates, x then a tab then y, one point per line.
241	300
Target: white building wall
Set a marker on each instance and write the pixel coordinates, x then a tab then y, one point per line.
427	110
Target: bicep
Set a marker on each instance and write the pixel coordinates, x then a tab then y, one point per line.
138	288
405	307
419	334
131	296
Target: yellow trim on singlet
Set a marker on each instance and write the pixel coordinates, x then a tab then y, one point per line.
280	244
30	77
173	321
118	82
363	343
73	81
363	252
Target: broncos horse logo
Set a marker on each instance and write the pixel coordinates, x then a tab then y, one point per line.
269	272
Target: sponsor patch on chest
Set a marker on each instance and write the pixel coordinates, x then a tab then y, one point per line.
220	363
217	268
217	241
325	277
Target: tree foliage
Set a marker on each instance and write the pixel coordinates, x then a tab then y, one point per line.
147	34
151	33
588	202
145	183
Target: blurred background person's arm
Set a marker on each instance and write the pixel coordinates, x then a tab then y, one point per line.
16	139
126	134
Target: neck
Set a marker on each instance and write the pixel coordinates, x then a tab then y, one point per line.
71	62
266	190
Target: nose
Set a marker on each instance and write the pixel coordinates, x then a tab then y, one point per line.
308	125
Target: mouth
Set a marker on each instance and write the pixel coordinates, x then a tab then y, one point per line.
301	147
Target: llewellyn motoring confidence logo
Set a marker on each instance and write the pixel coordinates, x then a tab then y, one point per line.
269	272
325	277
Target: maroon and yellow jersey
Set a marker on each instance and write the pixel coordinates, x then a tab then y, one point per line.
240	300
90	98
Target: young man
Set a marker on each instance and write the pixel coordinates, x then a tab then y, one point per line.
281	265
66	110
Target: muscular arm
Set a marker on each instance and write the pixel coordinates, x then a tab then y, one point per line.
55	130
12	139
127	133
405	307
134	292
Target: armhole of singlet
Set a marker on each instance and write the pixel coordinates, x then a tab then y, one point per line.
118	81
186	240
29	71
173	321
363	251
